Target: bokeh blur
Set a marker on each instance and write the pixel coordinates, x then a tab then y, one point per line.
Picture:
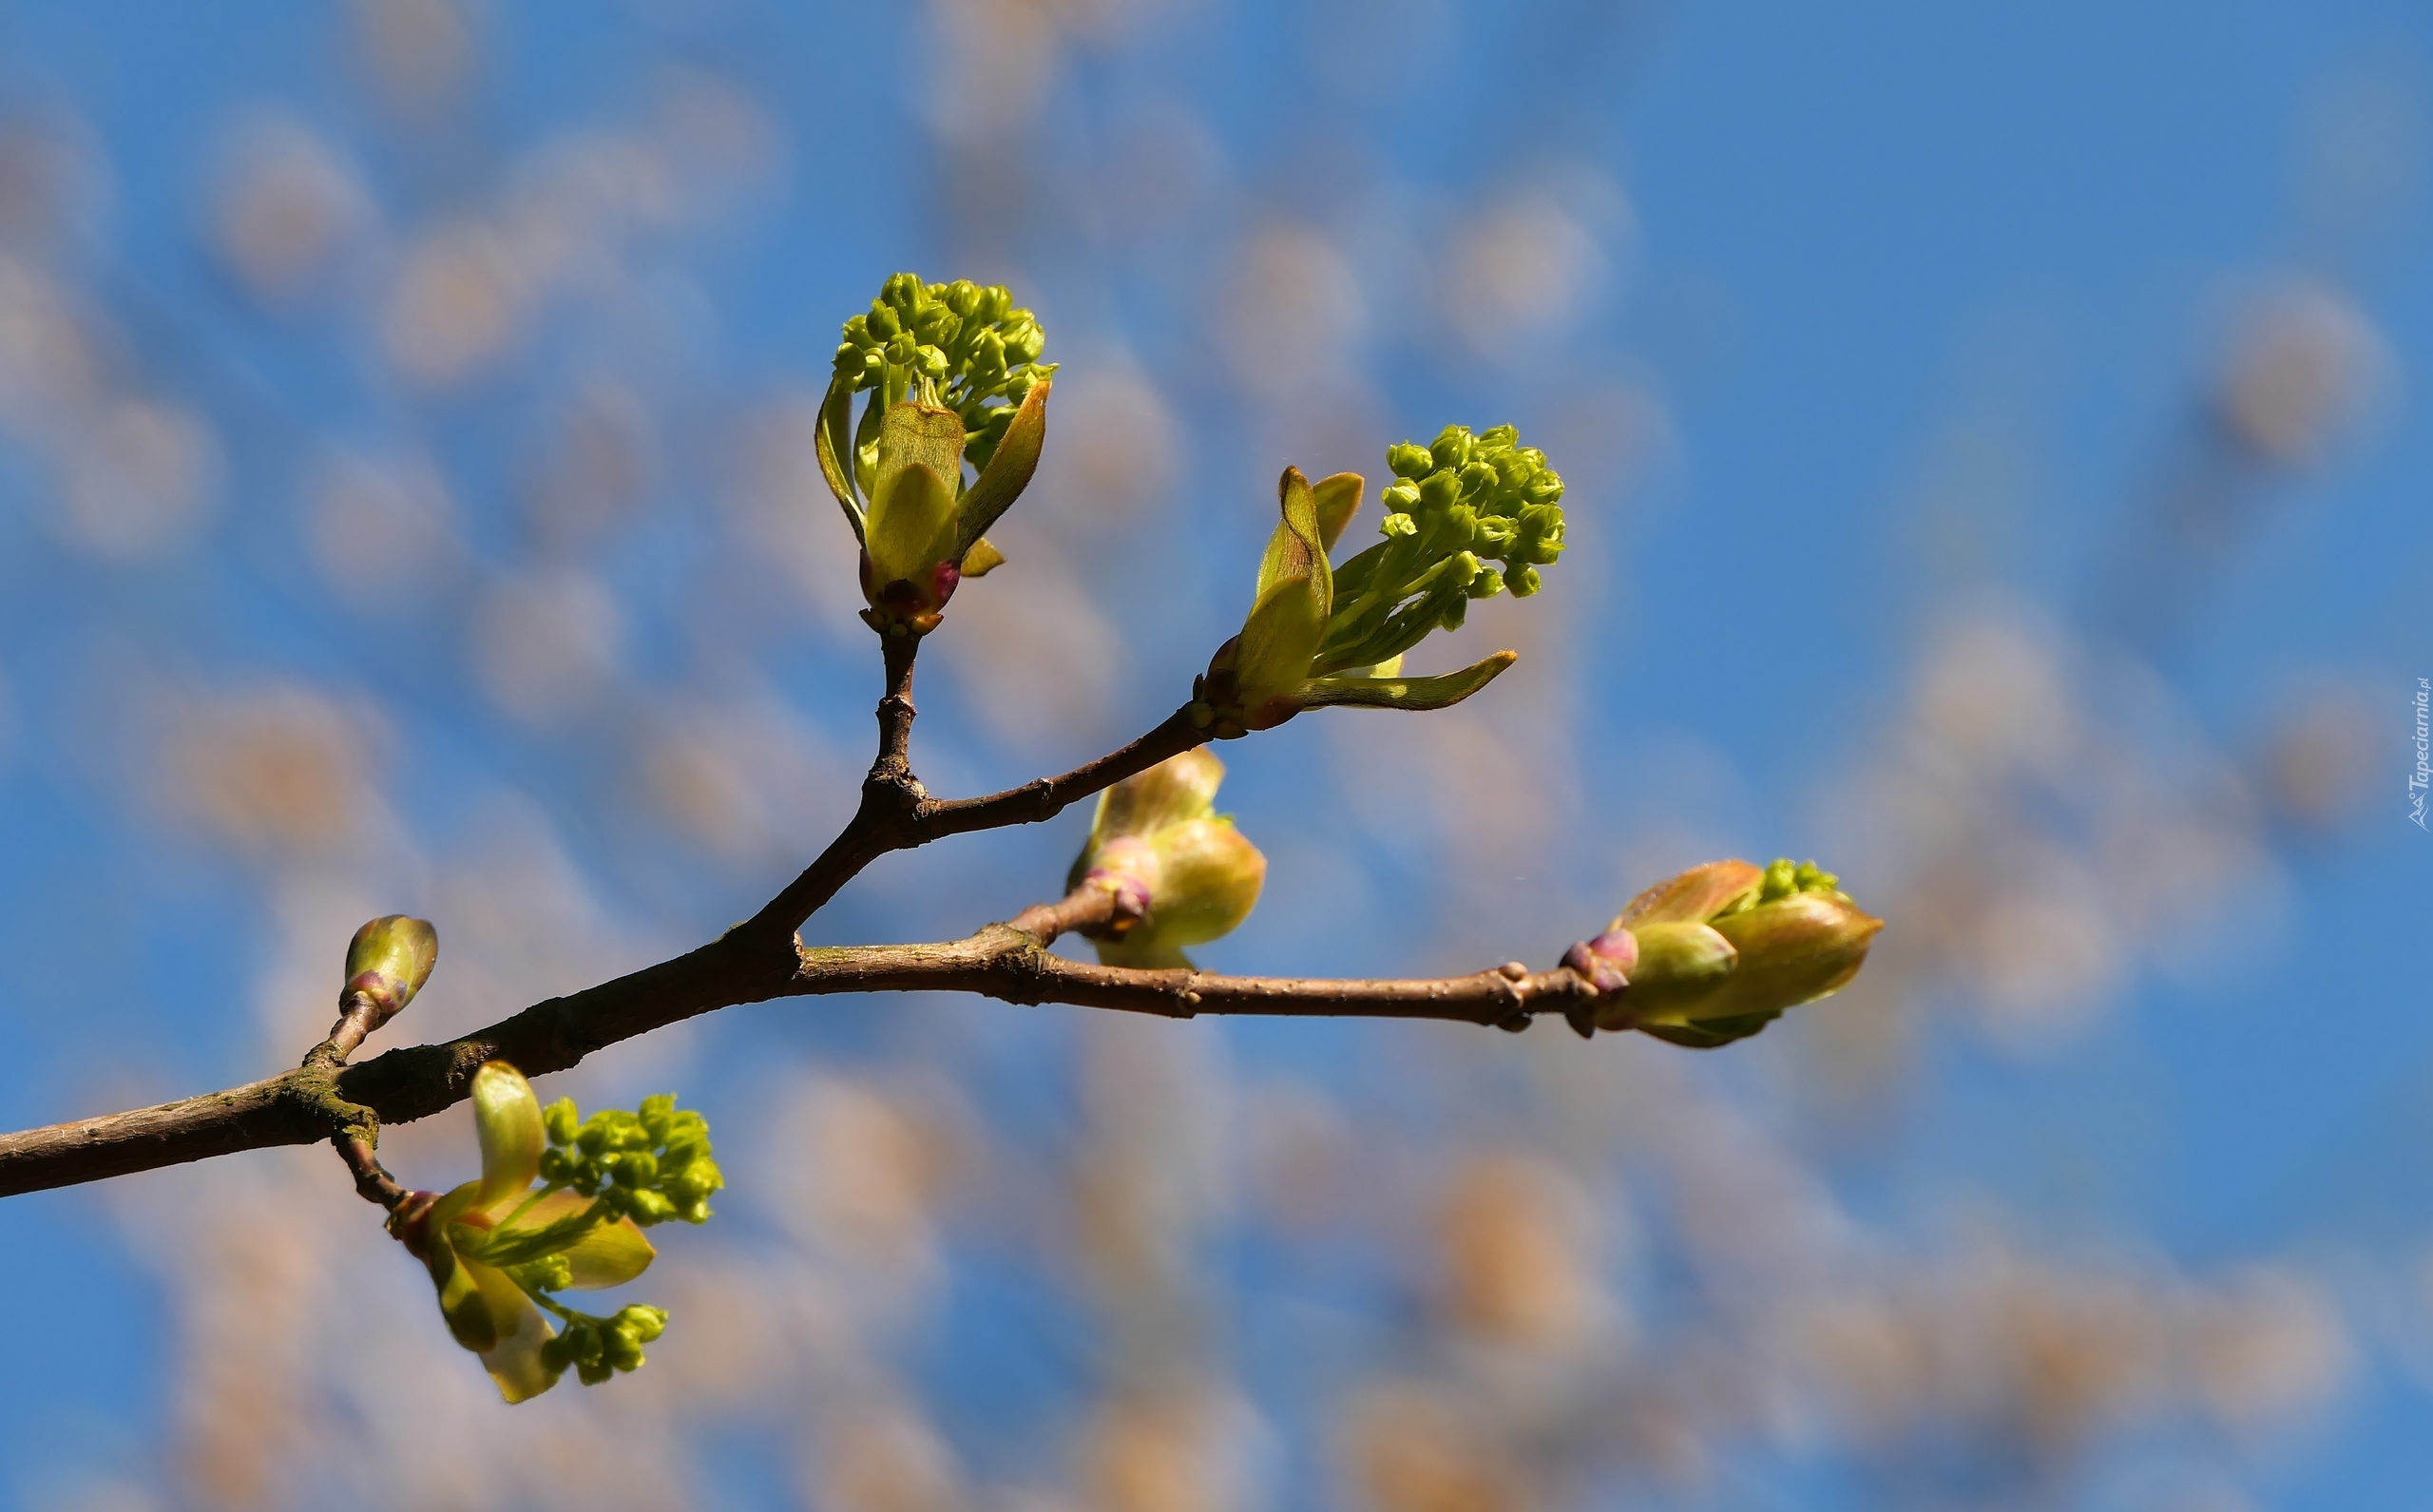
1993	472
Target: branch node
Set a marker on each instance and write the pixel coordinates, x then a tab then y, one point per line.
355	1130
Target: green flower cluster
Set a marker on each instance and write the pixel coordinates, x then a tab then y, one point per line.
1783	880
1319	635
974	350
650	1165
1455	504
954	379
600	1348
498	1246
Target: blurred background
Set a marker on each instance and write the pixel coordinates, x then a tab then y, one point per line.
1994	472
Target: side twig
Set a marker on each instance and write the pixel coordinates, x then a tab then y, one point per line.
355	1129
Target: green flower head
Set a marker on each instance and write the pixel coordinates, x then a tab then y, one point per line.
497	1248
1721	951
953	376
1319	635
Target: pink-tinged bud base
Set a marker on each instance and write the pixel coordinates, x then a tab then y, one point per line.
410	1223
386	963
906	604
1126	867
1606	962
1219	692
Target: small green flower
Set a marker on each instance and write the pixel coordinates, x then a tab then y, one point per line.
1319	635
1721	951
954	375
1180	873
498	1246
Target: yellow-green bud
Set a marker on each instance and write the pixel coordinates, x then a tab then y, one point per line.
1679	964
697	1181
388	962
647	1207
1719	952
658	1113
1180	874
1794	949
619	1349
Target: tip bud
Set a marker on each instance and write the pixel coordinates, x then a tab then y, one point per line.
1723	949
954	382
387	964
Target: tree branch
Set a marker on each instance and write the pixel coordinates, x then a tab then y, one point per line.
890	795
1045	798
1004	963
898	814
760	959
1001	960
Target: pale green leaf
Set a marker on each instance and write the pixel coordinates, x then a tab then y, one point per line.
833	441
1009	471
1337	499
1404	693
507	1121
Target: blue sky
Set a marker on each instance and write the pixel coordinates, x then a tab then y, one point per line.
1885	339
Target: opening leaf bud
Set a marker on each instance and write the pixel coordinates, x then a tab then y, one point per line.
1723	949
1316	634
953	382
1182	874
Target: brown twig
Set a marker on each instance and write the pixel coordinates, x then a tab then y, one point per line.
897	813
760	959
1001	960
891	796
1082	910
1005	963
1046	797
355	1129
